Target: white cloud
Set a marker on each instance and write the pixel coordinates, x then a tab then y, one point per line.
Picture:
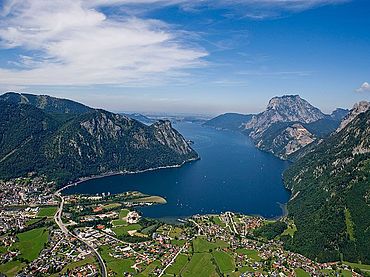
73	43
365	87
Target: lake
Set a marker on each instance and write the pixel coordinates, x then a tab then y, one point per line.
232	175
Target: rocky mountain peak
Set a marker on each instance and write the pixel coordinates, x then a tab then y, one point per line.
357	109
294	108
287	108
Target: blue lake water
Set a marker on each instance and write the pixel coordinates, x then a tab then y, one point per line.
232	175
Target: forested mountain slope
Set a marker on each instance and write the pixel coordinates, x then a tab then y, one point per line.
95	142
330	201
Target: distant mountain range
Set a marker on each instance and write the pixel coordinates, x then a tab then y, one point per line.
66	140
288	124
140	117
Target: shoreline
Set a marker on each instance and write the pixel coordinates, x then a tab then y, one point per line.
115	173
283	206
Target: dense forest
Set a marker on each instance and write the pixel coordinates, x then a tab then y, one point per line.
330	201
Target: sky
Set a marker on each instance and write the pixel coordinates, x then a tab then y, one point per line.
184	56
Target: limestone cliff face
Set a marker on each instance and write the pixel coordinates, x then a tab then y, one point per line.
168	136
358	108
296	137
286	140
288	108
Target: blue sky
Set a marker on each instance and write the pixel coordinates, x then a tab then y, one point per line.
204	57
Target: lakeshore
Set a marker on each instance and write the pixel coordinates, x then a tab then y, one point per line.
232	175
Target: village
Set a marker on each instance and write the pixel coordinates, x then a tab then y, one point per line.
49	234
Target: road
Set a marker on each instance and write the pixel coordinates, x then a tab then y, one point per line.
172	261
231	219
59	222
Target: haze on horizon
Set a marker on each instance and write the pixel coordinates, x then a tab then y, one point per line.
202	57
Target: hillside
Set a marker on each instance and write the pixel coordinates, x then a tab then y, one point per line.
86	144
228	121
46	103
331	196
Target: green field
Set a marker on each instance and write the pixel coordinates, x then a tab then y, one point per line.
178	242
349	225
33	221
149	269
200	265
111	206
333	273
31	243
252	254
123	213
290	230
175	232
178	265
119	222
123	230
218	221
363	267
47	211
301	273
11	268
88	260
118	266
202	245
225	262
3	249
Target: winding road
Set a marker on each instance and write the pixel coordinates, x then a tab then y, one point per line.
59	222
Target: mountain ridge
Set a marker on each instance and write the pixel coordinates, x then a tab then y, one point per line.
91	143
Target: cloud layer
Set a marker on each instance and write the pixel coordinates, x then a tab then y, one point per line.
73	42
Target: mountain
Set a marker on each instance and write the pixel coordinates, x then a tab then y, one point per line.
338	114
358	108
47	103
140	117
288	108
96	142
228	121
330	202
288	124
284	138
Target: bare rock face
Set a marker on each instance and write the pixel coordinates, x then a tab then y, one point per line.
358	108
288	108
168	136
298	137
287	140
